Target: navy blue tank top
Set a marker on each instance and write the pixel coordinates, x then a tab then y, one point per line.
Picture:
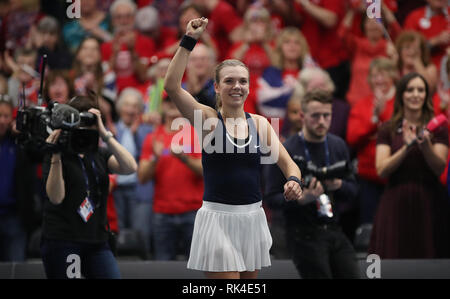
232	167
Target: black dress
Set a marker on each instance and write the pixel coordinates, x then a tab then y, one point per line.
412	218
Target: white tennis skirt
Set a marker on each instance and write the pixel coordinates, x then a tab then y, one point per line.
230	238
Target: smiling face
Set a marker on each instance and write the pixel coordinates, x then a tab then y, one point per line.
233	85
414	95
89	53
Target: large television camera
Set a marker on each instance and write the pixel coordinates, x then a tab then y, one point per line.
36	123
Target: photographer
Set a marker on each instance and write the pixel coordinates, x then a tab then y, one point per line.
320	248
77	188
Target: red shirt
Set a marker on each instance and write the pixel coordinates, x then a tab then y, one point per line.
326	47
362	135
255	58
362	53
144	47
222	20
437	24
177	188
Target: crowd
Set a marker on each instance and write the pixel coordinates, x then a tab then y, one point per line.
386	78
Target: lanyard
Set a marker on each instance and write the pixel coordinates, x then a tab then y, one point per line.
308	155
86	179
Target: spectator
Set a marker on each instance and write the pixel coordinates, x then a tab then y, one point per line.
364	49
314	78
132	200
319	22
75	219
256	49
168	156
45	38
58	87
413	214
13	235
277	83
432	20
166	9
148	24
293	122
225	24
17	22
414	56
24	77
89	73
199	75
365	118
320	249
129	53
189	11
93	23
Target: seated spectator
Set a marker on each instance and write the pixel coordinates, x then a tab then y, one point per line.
364	49
58	87
23	78
277	83
199	75
365	118
224	24
256	49
432	20
93	22
132	199
414	56
167	157
46	40
129	53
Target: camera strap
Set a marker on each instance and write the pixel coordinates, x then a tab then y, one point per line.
86	178
307	153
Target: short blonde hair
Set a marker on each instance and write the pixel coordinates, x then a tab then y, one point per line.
284	34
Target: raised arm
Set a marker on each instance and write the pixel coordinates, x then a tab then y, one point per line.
184	101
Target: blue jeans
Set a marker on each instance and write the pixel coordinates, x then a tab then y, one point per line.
95	260
13	238
171	232
132	212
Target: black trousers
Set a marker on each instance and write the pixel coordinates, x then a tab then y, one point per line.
323	252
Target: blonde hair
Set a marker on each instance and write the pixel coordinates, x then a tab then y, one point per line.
386	65
219	67
409	36
285	34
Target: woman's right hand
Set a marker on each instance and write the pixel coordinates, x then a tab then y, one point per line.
196	27
53	137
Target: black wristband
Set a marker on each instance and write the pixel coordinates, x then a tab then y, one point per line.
188	42
295	179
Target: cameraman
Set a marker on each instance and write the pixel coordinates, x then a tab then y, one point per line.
320	248
75	221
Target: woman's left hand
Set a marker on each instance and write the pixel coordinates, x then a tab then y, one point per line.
101	128
292	191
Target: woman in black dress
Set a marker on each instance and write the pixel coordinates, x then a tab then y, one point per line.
411	221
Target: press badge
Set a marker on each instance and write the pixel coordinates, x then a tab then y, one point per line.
86	209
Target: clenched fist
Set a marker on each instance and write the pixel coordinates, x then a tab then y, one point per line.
196	27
